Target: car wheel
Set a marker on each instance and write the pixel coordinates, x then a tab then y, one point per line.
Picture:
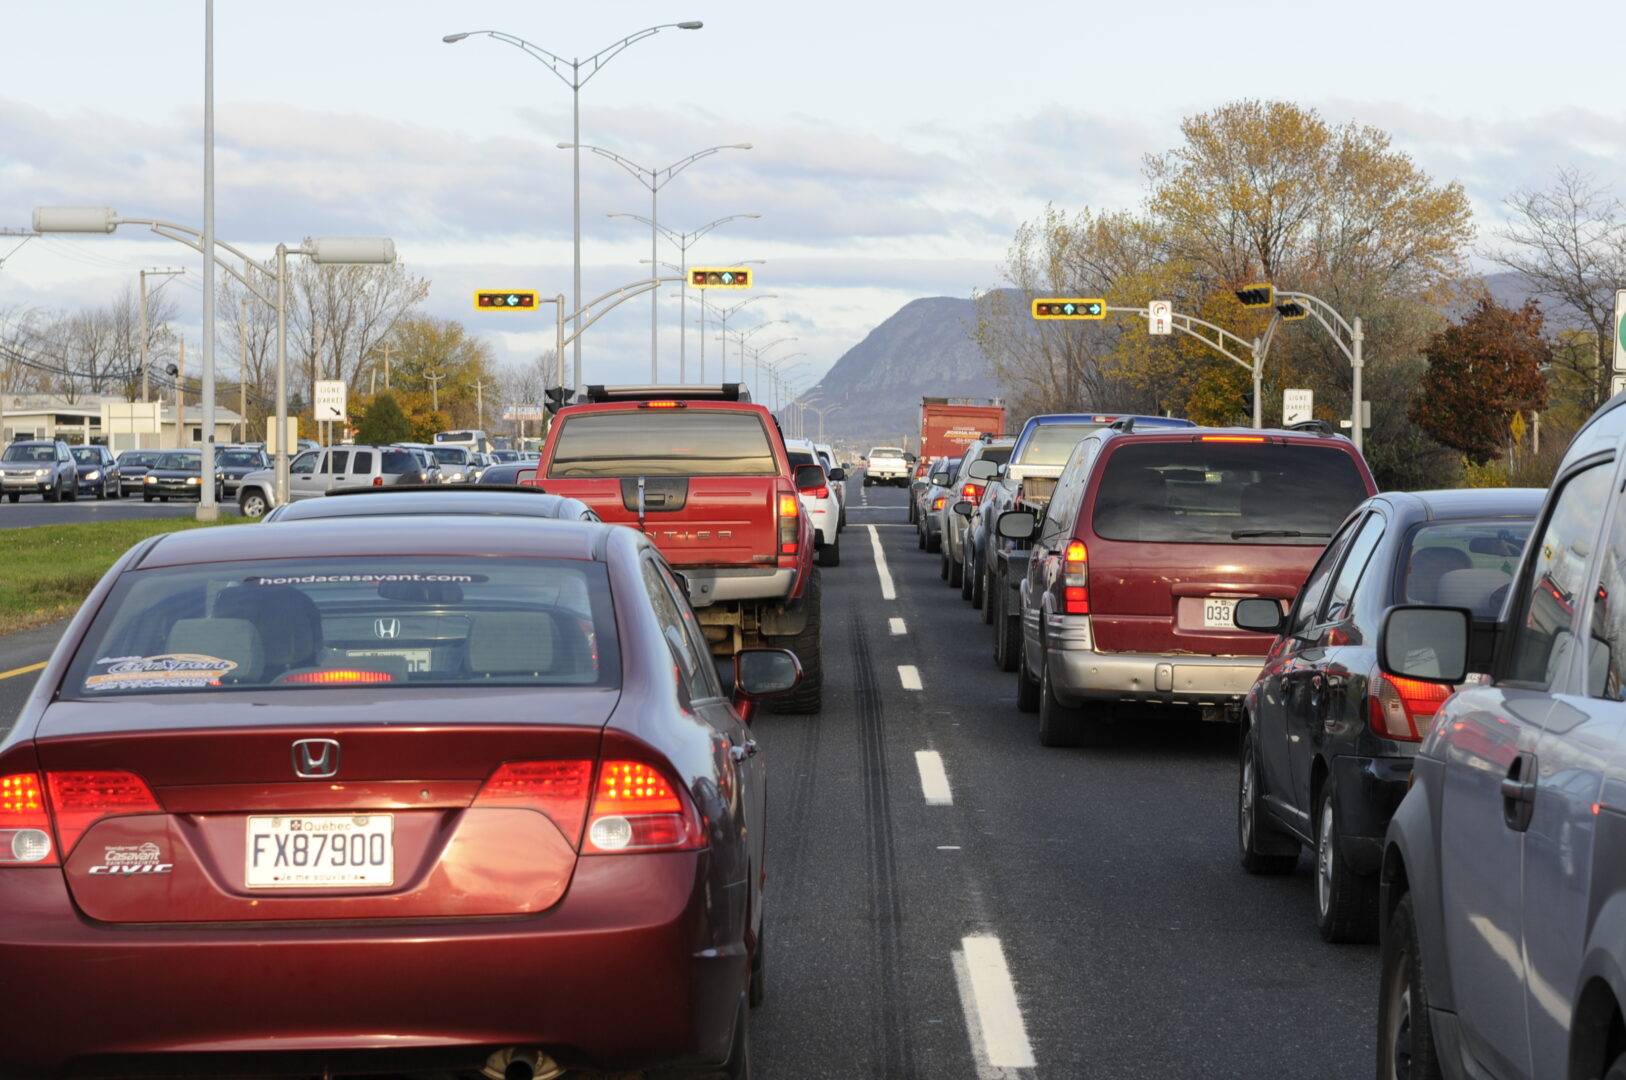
146	496
101	492
252	503
1007	632
72	494
1027	687
914	512
1062	725
956	571
934	542
985	586
968	579
53	494
973	572
1405	1039
163	498
920	536
1346	903
1262	851
830	554
14	495
809	696
868	481
1617	1071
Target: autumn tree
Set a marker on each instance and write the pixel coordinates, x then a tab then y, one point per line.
438	363
1481	372
383	422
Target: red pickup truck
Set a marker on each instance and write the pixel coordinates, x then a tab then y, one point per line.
705	475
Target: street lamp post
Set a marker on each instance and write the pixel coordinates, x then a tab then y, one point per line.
146	394
654	180
742	336
756	360
723	315
576	80
682	240
325	251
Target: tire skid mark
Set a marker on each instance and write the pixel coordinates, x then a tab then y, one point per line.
894	1049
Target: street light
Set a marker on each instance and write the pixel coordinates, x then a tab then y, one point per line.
682	240
324	251
742	335
654	180
756	359
1296	305
576	80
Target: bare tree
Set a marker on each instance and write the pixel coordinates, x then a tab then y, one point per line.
1568	243
338	314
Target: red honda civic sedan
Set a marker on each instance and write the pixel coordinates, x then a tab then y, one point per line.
343	796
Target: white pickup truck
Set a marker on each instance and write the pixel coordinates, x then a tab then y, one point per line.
886	465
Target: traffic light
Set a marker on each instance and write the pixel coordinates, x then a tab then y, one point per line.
1257	296
506	300
719	277
1292	310
1069	309
557	398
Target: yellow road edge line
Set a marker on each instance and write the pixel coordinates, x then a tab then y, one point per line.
21	670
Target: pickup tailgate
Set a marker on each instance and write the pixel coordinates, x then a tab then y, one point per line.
696	521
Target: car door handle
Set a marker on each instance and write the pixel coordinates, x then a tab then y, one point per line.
747	749
1518	790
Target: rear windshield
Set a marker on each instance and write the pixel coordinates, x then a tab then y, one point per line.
802	457
1226	493
397	462
675	442
1052	444
886	451
1466	564
378	622
999	455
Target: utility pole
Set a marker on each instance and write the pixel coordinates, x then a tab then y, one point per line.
434	388
480	404
180	399
387	349
242	367
146	394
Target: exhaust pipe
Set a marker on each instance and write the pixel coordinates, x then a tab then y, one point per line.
521	1063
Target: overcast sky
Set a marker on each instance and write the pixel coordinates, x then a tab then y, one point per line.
896	146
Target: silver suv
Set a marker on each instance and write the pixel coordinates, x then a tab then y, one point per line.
314	473
1502	897
39	467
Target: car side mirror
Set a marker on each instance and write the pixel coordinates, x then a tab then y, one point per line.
1258	614
982	469
1427	643
1017	525
762	673
941	479
838	474
965	508
809	477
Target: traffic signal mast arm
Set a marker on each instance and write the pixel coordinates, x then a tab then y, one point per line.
1325	314
1222	341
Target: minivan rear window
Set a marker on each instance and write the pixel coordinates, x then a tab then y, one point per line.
1226	493
676	442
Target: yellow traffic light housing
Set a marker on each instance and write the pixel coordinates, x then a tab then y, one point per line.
720	277
1292	309
505	300
1257	296
1069	308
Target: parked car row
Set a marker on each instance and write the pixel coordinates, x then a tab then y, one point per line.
1403	668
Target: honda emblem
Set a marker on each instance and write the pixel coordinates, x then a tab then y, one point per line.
316	759
387	628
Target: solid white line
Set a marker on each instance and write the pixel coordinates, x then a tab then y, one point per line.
887	591
897	625
999	1034
909	675
934	784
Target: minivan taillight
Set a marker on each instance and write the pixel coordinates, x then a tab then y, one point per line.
25	827
1075	579
558	789
636	808
1403	709
80	799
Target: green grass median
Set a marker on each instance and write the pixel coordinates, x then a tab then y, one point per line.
48	570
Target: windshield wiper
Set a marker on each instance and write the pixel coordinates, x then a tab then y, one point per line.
1248	534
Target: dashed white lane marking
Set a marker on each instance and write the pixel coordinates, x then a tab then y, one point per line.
948	847
934	784
909	676
887	591
999	1037
897	625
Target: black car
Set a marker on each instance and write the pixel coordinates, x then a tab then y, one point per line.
235	462
1328	739
478	499
177	474
516	471
98	471
132	466
39	467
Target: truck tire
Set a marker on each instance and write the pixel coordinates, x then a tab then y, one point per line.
252	502
807	698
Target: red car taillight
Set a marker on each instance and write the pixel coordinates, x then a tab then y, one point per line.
1075	579
25	827
81	799
558	789
816	492
635	808
972	492
378	481
789	511
1404	709
937	503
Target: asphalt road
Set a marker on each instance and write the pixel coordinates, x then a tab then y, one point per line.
1029	913
33	510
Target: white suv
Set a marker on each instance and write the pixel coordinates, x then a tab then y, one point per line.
823	507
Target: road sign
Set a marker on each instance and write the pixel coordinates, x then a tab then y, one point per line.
1617	385
1069	308
523	412
1160	317
1620	330
505	300
329	399
1517	427
1297	406
720	277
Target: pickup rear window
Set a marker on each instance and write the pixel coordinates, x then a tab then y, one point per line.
1052	444
1226	493
678	442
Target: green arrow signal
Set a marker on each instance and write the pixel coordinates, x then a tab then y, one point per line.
513	300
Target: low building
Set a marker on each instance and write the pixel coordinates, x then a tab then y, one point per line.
111	420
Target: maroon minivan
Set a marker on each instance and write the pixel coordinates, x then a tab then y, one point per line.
1147	545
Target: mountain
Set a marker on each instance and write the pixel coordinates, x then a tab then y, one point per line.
924	349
